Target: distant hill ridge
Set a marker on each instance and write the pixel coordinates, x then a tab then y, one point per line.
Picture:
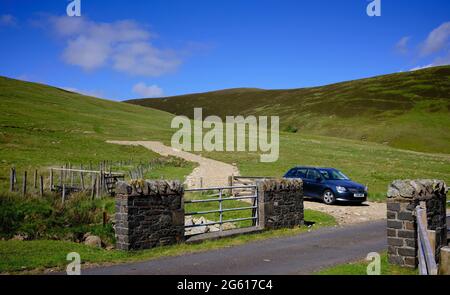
409	110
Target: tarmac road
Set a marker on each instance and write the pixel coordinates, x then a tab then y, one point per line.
301	254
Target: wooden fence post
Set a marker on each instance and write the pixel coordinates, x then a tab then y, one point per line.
24	184
97	186
71	175
61	177
100	182
63	193
230	184
11	179
444	266
35	179
51	179
94	181
82	180
41	186
432	238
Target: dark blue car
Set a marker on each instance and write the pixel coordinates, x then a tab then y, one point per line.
328	184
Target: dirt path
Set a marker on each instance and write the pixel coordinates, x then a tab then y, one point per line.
214	173
209	173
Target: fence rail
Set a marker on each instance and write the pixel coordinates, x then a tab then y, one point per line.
426	255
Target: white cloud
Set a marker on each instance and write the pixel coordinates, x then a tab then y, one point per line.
8	20
122	45
402	45
147	91
421	67
437	39
435	48
140	58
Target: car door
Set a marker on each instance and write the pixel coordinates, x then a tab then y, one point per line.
301	173
313	186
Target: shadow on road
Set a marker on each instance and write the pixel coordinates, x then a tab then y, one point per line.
338	204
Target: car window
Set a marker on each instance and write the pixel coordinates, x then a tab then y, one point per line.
333	174
325	174
300	173
312	174
291	173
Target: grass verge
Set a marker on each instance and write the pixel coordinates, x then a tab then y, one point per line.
360	268
36	256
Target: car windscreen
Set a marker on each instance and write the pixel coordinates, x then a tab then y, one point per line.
333	174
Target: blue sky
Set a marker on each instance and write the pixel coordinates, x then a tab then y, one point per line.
126	49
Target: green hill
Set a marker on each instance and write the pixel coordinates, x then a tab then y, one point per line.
42	126
408	110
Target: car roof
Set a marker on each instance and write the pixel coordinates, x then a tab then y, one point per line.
311	167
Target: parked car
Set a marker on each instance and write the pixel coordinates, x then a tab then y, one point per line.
328	184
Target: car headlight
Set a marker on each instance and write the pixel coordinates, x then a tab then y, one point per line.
341	189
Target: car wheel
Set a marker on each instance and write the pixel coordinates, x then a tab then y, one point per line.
328	197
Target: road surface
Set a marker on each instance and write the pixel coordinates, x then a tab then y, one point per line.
300	254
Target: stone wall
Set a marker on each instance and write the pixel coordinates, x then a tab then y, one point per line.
403	197
149	214
280	203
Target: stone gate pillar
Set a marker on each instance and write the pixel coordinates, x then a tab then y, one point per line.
280	203
149	214
402	198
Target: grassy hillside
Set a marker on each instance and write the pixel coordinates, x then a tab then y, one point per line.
369	163
406	110
42	126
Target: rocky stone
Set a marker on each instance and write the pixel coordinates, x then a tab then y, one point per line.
228	226
93	241
204	229
20	237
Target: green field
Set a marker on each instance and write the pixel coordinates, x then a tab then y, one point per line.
43	126
375	165
360	268
409	110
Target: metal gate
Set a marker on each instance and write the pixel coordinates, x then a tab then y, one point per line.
222	196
